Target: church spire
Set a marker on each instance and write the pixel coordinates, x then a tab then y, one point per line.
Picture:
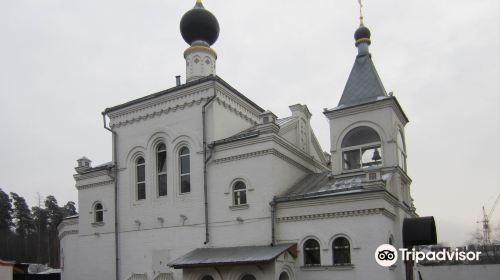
364	84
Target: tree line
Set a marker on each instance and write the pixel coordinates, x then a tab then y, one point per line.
30	235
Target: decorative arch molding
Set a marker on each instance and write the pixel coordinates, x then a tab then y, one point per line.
95	203
229	188
238	272
133	154
289	270
197	274
163	136
307	237
346	236
184	140
373	125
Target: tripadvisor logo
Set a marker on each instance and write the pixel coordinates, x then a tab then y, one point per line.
387	255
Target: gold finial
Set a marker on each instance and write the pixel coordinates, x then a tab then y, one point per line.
360	12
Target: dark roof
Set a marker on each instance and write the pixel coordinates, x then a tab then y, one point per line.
364	83
250	132
183	86
321	184
232	255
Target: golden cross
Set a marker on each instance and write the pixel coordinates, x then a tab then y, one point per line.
360	12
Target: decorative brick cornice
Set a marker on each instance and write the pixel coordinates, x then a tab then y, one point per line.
67	232
335	215
156	112
260	153
94	185
79	177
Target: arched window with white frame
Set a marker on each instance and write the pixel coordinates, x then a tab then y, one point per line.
239	193
361	148
401	150
98	213
140	178
341	251
161	169
312	253
185	170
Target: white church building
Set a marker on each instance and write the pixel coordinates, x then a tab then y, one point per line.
205	184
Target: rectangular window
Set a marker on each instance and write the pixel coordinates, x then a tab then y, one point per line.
185	170
162	172
240	197
185	183
141	181
352	159
141	191
362	158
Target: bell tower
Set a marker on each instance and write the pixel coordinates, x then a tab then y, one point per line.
367	127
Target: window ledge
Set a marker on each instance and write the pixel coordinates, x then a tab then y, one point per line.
347	266
239	207
98	224
328	267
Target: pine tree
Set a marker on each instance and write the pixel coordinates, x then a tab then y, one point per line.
41	223
5	225
55	215
69	209
24	227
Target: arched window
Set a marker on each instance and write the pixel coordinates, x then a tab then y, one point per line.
207	277
239	193
248	277
341	251
140	178
401	151
185	170
312	252
98	213
361	148
161	169
284	276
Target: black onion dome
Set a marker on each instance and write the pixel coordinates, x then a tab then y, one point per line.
362	33
199	24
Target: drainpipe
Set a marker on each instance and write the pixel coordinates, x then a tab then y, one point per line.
273	221
205	161
115	171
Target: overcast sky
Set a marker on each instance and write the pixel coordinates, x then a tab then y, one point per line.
62	62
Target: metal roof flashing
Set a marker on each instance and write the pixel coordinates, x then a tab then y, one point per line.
203	257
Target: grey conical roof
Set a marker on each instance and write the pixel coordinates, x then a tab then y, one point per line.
364	84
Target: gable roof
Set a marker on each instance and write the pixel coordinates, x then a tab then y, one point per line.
231	255
177	88
364	84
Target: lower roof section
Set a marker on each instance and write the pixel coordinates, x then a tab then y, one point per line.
203	257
